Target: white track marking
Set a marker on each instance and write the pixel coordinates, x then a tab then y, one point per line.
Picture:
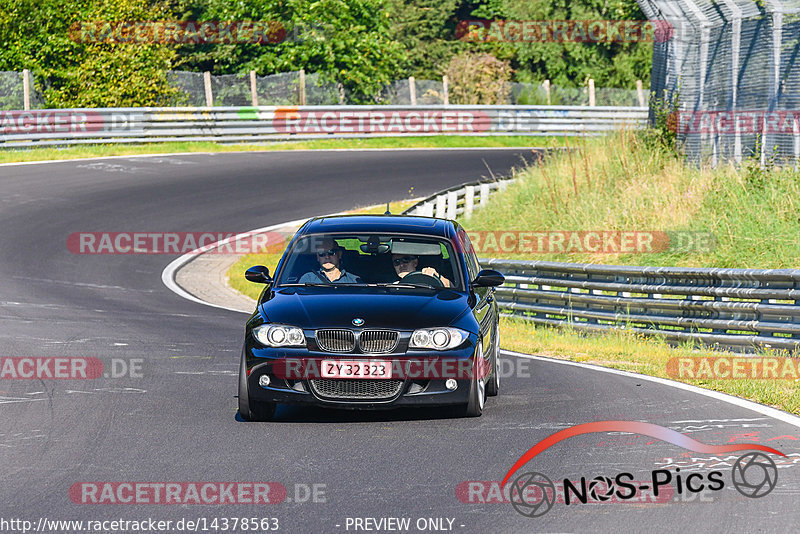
774	413
168	274
167	154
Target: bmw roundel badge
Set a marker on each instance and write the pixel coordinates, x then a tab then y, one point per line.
358	321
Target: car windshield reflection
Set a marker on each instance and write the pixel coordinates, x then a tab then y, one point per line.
401	261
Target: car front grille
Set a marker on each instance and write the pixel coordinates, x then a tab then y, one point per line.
366	389
336	340
377	341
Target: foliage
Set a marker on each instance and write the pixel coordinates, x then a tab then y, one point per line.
35	35
478	79
348	42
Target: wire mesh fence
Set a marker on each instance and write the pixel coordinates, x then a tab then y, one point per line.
12	95
730	75
316	89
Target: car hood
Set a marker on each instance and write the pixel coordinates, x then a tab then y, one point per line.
403	309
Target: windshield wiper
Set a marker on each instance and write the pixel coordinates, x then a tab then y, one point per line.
407	286
308	284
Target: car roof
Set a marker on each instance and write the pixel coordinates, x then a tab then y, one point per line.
379	224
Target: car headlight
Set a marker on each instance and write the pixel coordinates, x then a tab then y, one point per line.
437	338
277	335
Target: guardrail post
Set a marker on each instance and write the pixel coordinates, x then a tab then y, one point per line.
546	85
452	204
26	90
441	206
253	93
591	93
412	90
640	93
302	87
207	84
445	91
484	194
469	200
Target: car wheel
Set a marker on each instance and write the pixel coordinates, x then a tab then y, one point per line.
477	391
251	410
493	385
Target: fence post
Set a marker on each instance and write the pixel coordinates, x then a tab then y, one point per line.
445	91
207	84
591	92
469	200
302	87
546	85
441	206
341	93
640	93
452	204
412	90
26	90
253	93
484	194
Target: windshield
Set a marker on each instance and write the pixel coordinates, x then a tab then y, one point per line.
370	259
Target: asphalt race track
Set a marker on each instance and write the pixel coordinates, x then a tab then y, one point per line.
177	421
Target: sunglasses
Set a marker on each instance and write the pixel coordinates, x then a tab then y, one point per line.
330	252
404	259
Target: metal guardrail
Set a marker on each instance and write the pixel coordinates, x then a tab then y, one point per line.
20	129
730	308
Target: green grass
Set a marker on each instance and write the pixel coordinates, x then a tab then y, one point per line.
9	155
624	183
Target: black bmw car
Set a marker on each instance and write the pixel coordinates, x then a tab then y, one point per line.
372	311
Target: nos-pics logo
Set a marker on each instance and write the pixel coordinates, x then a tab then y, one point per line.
533	494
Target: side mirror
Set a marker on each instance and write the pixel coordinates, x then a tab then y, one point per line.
258	274
488	278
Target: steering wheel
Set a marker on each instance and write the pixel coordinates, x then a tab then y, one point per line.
418	277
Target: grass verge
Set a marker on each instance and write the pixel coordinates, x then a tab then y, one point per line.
628	182
10	155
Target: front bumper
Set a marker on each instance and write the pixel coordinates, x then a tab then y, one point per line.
423	386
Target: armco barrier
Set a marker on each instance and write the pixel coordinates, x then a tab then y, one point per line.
731	308
19	129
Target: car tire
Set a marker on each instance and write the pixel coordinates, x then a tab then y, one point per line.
493	385
477	390
251	410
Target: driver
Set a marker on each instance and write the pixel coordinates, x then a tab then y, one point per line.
329	255
405	264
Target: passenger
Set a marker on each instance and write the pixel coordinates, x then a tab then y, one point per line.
329	255
405	264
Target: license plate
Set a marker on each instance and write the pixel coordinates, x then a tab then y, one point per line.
372	369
